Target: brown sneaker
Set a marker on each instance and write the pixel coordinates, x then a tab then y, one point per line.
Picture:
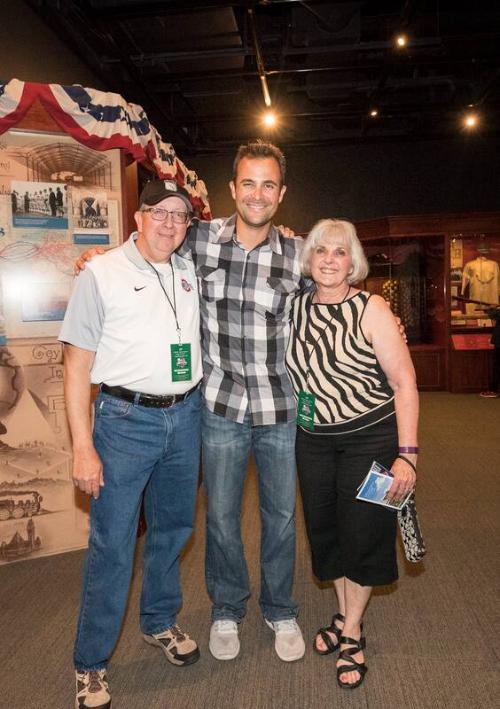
178	647
92	690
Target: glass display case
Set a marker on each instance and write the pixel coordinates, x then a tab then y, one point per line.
440	274
474	280
474	296
407	271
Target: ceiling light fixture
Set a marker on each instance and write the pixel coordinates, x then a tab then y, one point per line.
471	120
401	41
374	112
269	119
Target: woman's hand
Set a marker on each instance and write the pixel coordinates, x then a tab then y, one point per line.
404	479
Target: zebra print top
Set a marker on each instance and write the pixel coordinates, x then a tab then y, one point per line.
350	387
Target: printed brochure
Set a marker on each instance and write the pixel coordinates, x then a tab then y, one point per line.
375	488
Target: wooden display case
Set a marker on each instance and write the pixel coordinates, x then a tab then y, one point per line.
414	264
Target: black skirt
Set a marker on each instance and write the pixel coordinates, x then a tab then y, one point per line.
348	537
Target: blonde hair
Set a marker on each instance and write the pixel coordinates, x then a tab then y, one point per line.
347	231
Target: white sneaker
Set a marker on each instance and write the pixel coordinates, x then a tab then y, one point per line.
224	641
289	643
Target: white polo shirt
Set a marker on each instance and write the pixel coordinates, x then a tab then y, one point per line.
119	311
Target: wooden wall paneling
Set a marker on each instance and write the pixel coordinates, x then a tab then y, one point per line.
130	197
425	224
429	363
470	370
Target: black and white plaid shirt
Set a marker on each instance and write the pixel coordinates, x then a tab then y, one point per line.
245	304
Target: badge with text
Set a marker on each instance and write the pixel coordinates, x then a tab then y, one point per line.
305	410
180	356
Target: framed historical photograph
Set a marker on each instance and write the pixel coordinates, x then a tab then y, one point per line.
37	205
91	216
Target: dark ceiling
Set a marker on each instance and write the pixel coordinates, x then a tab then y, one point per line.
194	66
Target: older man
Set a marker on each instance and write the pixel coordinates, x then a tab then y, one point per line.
132	326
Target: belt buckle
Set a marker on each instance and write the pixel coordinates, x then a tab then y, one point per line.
170	400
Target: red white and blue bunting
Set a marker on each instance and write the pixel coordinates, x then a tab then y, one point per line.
102	121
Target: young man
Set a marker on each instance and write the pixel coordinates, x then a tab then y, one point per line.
248	274
132	326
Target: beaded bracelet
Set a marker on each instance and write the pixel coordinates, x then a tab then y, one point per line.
408	461
408	449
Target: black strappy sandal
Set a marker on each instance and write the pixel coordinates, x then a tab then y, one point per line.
352	666
323	633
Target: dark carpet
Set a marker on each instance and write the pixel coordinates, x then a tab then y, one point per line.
433	638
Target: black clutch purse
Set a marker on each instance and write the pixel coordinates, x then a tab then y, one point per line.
411	534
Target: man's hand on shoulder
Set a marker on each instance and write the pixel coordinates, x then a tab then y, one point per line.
286	231
399	322
402	330
85	256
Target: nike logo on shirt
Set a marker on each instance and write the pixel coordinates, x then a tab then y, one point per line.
141	288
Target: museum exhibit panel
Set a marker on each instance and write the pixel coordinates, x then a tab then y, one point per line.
72	161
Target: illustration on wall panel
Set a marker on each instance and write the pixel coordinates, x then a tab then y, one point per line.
56	196
35	456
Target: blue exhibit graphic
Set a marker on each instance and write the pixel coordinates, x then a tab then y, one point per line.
92	239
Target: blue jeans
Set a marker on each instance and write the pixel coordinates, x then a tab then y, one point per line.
146	453
226	448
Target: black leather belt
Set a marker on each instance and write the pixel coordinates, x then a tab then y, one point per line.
151	400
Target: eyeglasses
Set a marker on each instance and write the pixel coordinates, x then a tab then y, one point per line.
160	215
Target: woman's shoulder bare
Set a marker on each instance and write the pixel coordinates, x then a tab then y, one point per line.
377	303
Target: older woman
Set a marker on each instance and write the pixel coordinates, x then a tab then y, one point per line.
357	402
